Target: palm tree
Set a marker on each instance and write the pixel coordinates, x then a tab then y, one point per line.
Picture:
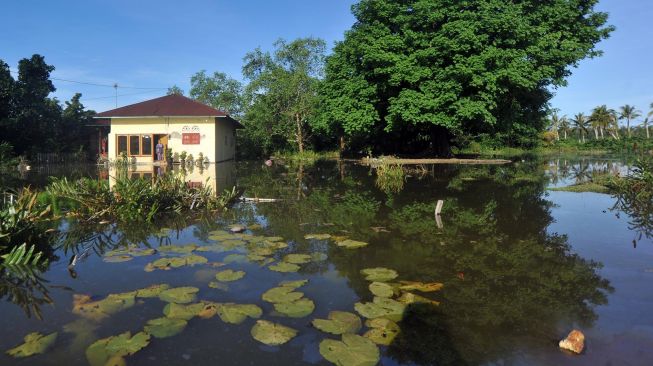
581	122
601	119
565	126
629	112
645	124
554	124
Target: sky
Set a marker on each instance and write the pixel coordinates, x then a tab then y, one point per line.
157	44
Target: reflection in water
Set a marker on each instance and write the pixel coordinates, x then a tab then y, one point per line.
508	284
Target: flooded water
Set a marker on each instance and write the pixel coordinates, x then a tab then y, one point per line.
521	267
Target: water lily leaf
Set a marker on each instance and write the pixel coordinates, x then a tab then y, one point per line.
180	249
184	312
284	267
383	331
296	309
411	298
255	227
219	232
152	291
83	331
265	251
165	327
98	310
381	308
317	236
272	334
229	275
216	264
382	289
235	258
281	294
339	322
266	261
294	284
237	313
379	274
319	257
35	343
421	286
353	350
255	257
297	258
179	295
166	264
219	285
273	239
232	244
113	348
351	244
194	259
118	258
141	252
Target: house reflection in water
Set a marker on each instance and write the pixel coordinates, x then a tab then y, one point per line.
219	176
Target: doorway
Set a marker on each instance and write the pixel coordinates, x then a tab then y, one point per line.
163	140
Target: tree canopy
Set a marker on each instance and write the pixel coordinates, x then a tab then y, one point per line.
218	90
432	69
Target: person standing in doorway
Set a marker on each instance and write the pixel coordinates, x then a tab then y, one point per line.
159	151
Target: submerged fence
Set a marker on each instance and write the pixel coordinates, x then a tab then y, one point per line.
59	158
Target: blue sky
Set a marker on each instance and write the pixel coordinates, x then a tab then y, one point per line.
151	44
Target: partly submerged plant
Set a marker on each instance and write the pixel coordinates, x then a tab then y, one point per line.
390	178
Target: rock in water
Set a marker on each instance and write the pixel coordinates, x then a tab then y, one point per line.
574	342
237	228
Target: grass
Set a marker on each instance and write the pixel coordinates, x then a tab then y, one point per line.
307	155
583	187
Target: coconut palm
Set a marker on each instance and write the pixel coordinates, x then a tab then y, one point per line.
565	126
629	112
645	124
601	119
581	122
554	124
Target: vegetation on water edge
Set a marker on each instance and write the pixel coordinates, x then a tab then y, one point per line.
635	196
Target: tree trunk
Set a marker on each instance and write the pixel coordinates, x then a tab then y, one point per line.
628	126
440	141
300	133
601	129
342	144
647	136
596	133
565	134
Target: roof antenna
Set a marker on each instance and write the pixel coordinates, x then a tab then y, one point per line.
115	86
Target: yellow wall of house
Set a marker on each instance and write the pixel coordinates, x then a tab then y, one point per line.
212	135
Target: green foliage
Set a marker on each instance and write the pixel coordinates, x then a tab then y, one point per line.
219	91
390	178
427	69
635	196
175	90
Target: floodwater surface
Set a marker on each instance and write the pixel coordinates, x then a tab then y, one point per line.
520	265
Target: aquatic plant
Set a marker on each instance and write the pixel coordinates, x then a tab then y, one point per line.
635	196
390	178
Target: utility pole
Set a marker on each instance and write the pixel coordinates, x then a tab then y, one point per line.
115	86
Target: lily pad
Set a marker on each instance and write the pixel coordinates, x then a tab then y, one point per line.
272	334
284	267
179	295
35	343
339	322
165	327
319	257
317	236
229	275
184	312
193	259
353	350
411	298
273	238
381	308
379	274
121	345
297	258
383	331
255	257
281	294
235	258
219	285
237	313
294	284
141	252
351	244
382	289
118	258
295	309
98	310
232	244
180	249
152	291
421	286
165	264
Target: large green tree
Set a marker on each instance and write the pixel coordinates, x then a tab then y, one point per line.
412	72
218	90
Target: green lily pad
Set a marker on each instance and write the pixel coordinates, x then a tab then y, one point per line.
273	239
379	274
121	345
319	257
339	322
284	267
272	334
351	244
141	252
165	327
184	312
317	236
264	252
297	258
295	309
235	258
421	286
152	291
219	285
255	257
382	289
165	264
179	295
381	308
35	343
281	294
179	249
383	331
294	284
237	313
232	244
193	259
118	258
408	298
353	350
229	275
98	310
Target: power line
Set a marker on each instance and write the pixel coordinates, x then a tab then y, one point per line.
96	84
120	95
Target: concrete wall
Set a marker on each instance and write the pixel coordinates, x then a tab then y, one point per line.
212	135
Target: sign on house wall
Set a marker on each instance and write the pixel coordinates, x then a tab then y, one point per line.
190	135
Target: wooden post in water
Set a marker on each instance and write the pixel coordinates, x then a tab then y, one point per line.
438	210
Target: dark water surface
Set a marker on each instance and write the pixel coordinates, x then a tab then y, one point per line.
521	267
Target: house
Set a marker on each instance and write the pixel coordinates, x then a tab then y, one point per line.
178	123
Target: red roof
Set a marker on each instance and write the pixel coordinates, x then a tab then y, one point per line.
168	106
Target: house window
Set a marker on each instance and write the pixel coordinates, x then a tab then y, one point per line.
134	145
146	144
122	144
